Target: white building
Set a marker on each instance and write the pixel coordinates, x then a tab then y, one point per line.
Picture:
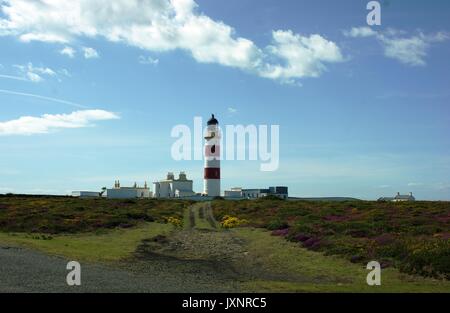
86	194
235	192
212	159
136	191
399	198
402	198
173	188
278	191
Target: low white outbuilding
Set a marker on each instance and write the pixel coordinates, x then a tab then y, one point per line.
86	194
136	191
235	192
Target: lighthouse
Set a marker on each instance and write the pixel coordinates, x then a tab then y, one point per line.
212	159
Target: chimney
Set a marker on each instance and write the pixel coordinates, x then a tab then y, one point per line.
398	193
410	193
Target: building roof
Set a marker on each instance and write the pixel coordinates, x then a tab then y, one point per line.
129	188
398	197
386	199
404	197
173	180
212	120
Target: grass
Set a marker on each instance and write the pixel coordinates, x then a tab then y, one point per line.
295	269
411	236
103	246
201	221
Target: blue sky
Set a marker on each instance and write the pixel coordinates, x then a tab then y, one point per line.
363	111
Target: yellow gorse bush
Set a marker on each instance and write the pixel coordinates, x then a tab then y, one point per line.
232	221
174	221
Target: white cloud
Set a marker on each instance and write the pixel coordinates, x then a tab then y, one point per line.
31	73
90	53
302	56
38	70
409	50
165	25
356	32
436	37
29	125
415	184
13	77
34	77
34	74
232	110
148	60
30	95
68	51
64	72
42	37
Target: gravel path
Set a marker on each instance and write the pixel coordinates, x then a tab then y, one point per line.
23	270
197	258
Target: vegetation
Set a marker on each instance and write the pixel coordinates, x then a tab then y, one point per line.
280	266
175	221
56	215
100	246
412	236
231	222
248	259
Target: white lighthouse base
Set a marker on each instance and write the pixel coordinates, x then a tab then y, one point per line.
212	187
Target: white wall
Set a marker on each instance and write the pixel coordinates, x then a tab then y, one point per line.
167	189
126	193
85	194
233	194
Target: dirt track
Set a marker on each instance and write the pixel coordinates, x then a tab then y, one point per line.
23	270
194	260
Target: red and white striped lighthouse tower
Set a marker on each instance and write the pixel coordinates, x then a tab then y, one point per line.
212	159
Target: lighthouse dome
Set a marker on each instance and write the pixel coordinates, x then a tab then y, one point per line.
212	121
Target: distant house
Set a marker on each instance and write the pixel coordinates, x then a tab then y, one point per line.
398	198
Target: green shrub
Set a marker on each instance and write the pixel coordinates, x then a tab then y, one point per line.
276	224
271	197
428	258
